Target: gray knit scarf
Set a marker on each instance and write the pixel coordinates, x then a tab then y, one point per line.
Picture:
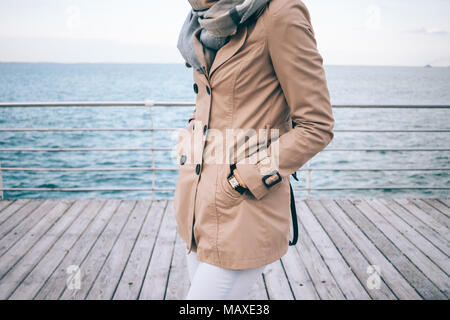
213	22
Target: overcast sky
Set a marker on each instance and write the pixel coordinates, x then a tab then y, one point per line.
349	32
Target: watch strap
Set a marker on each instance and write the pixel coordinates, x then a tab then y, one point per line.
238	188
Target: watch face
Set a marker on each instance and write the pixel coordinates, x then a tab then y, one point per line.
233	181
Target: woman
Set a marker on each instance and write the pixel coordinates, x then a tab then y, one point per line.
258	75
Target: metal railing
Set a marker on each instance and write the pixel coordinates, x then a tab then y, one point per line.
151	104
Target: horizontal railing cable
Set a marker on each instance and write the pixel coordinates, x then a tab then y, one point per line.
171	148
187	104
52	104
176	129
176	169
173	189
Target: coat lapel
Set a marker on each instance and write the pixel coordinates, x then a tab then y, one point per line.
198	47
224	53
229	49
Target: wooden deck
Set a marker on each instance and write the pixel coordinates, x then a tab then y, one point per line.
127	249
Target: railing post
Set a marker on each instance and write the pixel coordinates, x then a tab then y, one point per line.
150	104
1	182
308	180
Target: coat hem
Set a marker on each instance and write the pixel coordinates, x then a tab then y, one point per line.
209	256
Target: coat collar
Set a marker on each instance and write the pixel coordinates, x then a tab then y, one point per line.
224	53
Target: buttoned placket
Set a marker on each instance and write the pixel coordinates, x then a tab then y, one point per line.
204	118
221	57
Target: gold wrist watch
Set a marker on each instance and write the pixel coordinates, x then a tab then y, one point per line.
233	181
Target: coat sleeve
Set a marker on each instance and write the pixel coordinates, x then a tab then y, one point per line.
299	69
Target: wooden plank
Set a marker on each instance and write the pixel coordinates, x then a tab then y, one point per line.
15	277
439	206
318	271
15	213
109	276
30	286
100	252
389	274
445	201
276	282
433	236
351	254
425	209
258	291
178	284
439	216
4	204
38	229
426	247
55	285
301	284
7	210
425	218
134	273
425	265
343	274
414	276
155	282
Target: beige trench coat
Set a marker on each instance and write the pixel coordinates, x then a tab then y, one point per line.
268	77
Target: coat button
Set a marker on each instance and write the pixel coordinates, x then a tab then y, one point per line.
205	127
197	169
208	90
195	88
182	159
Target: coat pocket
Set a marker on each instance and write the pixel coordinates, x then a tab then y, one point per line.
226	195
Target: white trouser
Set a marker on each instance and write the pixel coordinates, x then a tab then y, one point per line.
210	282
